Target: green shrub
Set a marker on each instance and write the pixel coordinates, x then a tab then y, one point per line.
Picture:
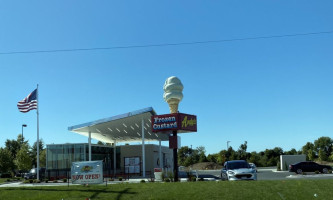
64	180
31	181
26	181
163	176
167	180
303	173
120	178
5	175
46	180
317	172
278	166
170	176
330	171
142	181
191	178
55	181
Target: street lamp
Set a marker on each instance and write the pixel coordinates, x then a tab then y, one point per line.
23	125
228	145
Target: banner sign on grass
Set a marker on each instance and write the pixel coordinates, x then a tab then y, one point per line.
88	172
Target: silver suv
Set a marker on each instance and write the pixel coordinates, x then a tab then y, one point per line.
238	170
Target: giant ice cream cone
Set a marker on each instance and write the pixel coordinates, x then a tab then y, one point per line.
173	105
173	89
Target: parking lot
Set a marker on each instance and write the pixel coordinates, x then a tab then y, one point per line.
267	173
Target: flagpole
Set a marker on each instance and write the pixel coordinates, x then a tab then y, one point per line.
37	134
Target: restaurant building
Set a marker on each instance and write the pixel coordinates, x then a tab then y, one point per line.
137	160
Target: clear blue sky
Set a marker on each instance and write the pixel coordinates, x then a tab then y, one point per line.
269	92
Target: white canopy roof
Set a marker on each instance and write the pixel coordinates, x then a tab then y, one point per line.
122	128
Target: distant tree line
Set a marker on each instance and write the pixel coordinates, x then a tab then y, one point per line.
319	150
18	156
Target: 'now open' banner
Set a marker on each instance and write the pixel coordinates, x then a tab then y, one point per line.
88	172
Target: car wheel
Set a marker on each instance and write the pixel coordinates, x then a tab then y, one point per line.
223	177
299	171
325	170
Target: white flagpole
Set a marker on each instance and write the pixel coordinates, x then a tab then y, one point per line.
37	134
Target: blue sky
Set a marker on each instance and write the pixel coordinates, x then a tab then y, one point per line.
269	92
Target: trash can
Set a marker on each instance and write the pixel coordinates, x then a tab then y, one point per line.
158	174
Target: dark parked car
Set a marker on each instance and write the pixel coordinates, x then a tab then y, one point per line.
309	166
33	173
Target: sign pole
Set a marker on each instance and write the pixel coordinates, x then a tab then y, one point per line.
175	157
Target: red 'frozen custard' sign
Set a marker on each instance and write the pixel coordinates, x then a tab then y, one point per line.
181	122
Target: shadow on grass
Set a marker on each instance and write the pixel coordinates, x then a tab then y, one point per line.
96	192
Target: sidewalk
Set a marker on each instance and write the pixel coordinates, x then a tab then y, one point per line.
134	180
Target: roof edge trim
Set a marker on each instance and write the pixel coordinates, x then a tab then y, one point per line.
104	120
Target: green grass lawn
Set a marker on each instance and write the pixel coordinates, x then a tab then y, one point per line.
270	190
3	180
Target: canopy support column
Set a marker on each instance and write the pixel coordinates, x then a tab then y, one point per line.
143	151
114	158
89	141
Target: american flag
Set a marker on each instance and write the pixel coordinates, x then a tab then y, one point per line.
28	103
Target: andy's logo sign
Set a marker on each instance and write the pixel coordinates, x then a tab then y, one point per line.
180	122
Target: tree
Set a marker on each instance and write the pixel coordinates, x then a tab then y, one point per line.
291	152
21	140
183	154
6	161
42	158
222	157
242	151
308	147
230	154
33	153
13	146
254	158
322	155
310	155
270	157
323	144
213	157
23	161
202	154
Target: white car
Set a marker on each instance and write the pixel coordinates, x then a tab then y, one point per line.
253	166
238	170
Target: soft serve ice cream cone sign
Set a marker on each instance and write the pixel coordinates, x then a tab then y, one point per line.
173	93
180	122
175	122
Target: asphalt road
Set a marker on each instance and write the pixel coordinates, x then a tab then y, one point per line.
267	173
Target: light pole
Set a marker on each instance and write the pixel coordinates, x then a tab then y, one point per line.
228	145
23	125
